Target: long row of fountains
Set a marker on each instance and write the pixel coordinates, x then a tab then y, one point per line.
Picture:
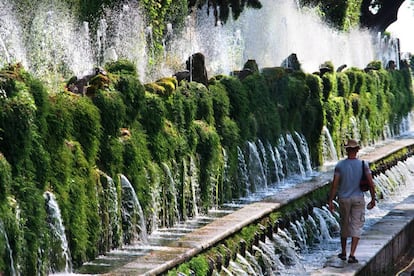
298	247
264	170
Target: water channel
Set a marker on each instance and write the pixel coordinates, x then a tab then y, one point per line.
302	247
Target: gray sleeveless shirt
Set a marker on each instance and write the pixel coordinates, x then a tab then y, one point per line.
349	172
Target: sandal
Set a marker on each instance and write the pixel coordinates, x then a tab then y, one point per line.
342	256
352	259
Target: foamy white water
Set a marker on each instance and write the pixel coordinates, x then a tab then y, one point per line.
270	35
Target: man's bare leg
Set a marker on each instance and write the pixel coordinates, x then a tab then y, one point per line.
343	246
354	244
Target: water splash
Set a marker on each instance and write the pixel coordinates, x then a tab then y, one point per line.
279	162
276	162
112	237
257	174
284	158
271	168
389	48
271	34
9	250
11	44
263	158
242	265
320	216
155	202
132	215
304	151
329	153
170	214
296	156
286	247
392	187
122	35
226	169
254	263
58	234
243	174
300	231
195	187
57	45
269	264
355	128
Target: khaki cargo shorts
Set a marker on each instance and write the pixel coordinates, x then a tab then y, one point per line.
352	213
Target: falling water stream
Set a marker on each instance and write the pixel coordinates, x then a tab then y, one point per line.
329	151
3	234
60	255
133	217
303	246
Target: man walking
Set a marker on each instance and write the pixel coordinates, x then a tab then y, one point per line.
345	185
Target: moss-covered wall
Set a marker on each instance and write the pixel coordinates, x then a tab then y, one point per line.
160	136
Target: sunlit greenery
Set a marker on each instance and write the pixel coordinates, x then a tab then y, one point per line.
72	145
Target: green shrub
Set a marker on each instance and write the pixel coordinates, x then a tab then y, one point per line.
199	265
291	94
329	86
375	65
5	178
111	154
204	101
313	117
266	115
343	85
41	99
189	106
175	110
169	85
136	158
17	116
121	67
87	127
356	80
182	268
155	88
59	120
221	102
154	114
73	185
32	210
356	104
112	112
335	116
209	149
125	79
39	163
239	105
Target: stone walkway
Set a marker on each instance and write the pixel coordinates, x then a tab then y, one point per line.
167	257
381	245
